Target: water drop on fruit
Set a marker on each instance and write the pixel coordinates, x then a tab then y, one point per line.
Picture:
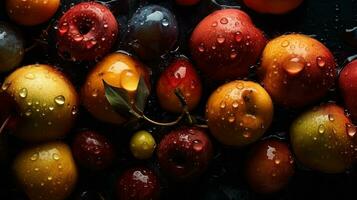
30	76
321	128
320	62
350	129
23	93
34	157
238	37
197	145
285	43
331	117
294	66
59	100
220	39
224	20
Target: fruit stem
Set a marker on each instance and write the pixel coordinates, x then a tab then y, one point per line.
201	125
6	121
164	123
183	102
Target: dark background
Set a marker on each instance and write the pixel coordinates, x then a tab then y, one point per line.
325	20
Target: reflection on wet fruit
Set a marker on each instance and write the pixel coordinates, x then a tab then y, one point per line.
152	31
11	47
179	75
273	6
46	102
92	150
295	66
87	31
138	184
269	166
31	12
46	172
238	113
142	145
226	43
323	139
348	87
185	153
119	70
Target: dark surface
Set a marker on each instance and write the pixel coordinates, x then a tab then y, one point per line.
326	20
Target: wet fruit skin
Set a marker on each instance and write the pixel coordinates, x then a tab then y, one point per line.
269	166
152	32
31	12
323	139
187	2
46	171
273	6
239	112
225	44
181	75
92	150
185	153
142	145
87	31
295	66
138	184
46	102
119	70
348	87
11	47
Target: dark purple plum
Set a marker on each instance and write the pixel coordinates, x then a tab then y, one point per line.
152	32
11	47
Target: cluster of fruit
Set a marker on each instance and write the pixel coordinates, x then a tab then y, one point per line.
39	104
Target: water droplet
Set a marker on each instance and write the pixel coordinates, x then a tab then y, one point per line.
223	104
36	169
23	93
197	145
350	129
74	110
246	134
238	36
55	156
165	22
28	112
320	61
220	39
105	25
201	48
235	104
285	43
63	28
224	20
49	178
51	108
34	157
231	119
321	128
277	161
78	38
331	117
91	44
214	24
59	100
233	55
30	76
294	66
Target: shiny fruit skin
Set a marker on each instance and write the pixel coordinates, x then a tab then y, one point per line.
153	32
348	87
180	74
323	139
92	150
297	70
185	153
87	31
273	6
46	102
46	171
138	184
142	145
225	44
187	2
239	112
31	12
269	166
11	47
119	70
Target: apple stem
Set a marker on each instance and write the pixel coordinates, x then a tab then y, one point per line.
183	102
164	123
6	121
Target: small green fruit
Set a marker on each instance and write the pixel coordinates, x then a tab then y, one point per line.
142	145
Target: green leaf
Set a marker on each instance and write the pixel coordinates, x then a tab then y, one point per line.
141	95
118	98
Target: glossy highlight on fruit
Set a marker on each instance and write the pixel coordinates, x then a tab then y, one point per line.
92	150
269	166
87	31
45	100
273	6
185	153
179	75
46	171
225	44
31	12
239	112
142	145
119	70
323	139
152	32
11	47
138	184
297	70
348	87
